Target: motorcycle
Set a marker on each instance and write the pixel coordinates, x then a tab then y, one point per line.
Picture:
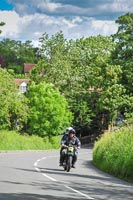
68	158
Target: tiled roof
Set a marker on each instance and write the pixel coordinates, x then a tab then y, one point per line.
28	67
18	81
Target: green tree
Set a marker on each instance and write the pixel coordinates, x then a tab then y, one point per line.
13	54
13	105
49	112
123	53
1	59
74	67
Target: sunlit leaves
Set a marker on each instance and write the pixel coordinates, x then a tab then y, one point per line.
12	104
49	112
123	54
75	66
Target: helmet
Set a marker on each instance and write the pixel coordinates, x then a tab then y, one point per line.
71	131
69	128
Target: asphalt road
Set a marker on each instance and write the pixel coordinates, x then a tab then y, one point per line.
36	175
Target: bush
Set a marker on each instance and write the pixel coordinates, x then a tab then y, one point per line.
49	112
11	140
113	153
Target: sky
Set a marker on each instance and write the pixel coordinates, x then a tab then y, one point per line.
29	19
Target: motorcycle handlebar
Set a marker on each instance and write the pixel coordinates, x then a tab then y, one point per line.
75	147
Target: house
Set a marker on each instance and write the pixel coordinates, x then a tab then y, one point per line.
22	84
27	68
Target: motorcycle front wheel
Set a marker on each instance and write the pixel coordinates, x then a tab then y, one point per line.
69	163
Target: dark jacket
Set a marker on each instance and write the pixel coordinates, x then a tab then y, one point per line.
74	141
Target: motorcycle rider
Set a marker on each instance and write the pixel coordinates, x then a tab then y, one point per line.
64	138
66	133
68	141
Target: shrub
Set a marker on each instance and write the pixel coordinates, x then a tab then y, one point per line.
113	153
49	112
11	140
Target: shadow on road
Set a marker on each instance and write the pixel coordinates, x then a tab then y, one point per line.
26	196
56	171
98	187
64	173
89	164
57	191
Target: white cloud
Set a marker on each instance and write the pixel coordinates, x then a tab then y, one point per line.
49	6
100	9
35	6
31	27
116	7
91	27
11	28
30	19
104	27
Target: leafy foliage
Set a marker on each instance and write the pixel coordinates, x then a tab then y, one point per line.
49	112
11	140
13	106
113	153
74	67
93	74
123	53
13	54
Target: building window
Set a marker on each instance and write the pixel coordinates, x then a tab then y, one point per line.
23	87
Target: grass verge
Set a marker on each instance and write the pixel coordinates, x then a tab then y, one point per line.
11	140
113	153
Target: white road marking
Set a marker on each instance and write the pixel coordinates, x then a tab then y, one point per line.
82	194
39	170
35	164
49	177
55	180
